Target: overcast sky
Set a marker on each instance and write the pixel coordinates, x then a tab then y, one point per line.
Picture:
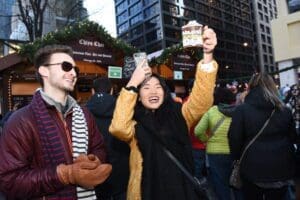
102	12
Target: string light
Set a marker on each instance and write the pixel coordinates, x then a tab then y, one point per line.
9	93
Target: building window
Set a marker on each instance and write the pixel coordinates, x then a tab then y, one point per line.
247	33
170	43
136	19
269	40
216	22
153	36
228	17
172	9
266	18
246	24
238	20
135	8
151	11
271	15
122	28
188	14
245	16
121	7
216	12
173	21
227	7
263	37
125	37
268	30
131	1
172	33
138	42
245	7
201	7
293	5
264	48
259	6
154	22
265	58
122	17
154	47
146	2
270	50
261	16
262	27
189	3
137	31
202	18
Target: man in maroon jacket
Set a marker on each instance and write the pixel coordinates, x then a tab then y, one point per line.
52	149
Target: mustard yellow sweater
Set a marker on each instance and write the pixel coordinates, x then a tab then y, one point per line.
122	125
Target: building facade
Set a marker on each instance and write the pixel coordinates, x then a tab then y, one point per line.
5	23
58	14
263	12
286	39
152	25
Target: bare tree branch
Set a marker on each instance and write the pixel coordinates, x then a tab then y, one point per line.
32	15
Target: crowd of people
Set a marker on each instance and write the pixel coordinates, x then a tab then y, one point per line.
144	144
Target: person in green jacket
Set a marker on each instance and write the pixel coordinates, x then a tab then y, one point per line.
212	129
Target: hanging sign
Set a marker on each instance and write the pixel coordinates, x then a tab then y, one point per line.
92	50
183	62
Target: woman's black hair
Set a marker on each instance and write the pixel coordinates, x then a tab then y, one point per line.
223	95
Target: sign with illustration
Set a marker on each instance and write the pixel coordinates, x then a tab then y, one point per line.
129	66
114	72
178	75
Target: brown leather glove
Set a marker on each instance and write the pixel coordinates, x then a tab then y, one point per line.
87	174
90	157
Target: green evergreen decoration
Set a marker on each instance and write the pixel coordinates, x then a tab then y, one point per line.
75	31
167	54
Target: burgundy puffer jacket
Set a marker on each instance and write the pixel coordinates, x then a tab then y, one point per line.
23	174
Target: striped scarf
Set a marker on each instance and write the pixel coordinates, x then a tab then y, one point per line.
52	148
80	146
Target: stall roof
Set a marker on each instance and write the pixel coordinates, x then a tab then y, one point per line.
10	60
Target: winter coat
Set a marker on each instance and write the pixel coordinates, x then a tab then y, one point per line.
271	157
102	106
23	173
217	142
124	127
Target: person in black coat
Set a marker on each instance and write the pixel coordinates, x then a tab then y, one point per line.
269	164
102	105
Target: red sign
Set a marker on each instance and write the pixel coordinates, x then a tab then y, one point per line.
92	50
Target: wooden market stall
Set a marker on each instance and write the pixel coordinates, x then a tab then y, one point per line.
94	51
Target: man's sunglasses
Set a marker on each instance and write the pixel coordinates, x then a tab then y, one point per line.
66	66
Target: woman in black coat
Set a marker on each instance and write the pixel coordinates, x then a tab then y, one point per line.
269	164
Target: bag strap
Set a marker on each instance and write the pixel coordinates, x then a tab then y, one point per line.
193	179
256	136
189	176
218	124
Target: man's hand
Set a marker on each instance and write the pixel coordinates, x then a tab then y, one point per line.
86	171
